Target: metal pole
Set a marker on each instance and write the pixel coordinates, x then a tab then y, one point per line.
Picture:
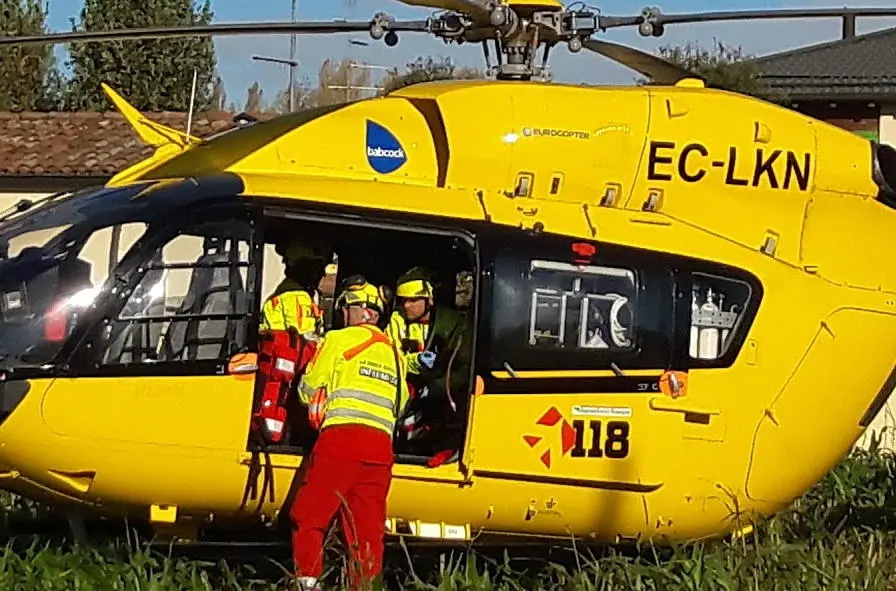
292	69
192	102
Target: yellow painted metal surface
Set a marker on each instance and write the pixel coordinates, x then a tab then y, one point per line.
685	170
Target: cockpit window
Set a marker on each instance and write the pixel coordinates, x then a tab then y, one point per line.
54	259
16	244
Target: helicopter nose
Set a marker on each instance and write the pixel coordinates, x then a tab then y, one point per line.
11	395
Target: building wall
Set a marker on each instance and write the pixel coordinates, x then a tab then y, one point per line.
860	118
888	124
9	199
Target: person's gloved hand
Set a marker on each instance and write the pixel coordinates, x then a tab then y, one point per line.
427	359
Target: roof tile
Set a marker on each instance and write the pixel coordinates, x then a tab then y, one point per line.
86	143
846	66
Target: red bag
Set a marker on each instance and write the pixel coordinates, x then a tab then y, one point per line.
282	355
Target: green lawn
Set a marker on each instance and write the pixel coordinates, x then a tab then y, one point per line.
837	537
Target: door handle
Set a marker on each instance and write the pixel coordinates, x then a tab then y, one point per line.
243	368
663	404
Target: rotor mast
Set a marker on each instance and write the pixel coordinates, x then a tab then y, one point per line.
517	39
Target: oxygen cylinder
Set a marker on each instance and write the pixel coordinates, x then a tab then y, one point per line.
709	336
725	331
695	332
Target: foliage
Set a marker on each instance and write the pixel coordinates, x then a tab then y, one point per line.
218	98
340	82
427	69
254	99
837	536
723	66
153	74
28	76
303	93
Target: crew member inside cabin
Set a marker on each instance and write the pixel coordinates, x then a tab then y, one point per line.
435	342
293	302
355	388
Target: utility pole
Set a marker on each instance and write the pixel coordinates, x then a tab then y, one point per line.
291	63
292	59
349	66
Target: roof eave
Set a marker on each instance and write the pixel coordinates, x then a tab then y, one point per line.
34	183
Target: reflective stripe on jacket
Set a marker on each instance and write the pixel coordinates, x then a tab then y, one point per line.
447	323
352	379
291	306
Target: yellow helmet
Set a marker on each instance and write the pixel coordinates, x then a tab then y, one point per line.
415	284
356	291
296	250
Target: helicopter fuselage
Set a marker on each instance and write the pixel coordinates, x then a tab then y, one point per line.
697	192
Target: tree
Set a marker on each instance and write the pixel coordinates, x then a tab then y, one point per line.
722	66
29	79
303	98
254	99
218	99
339	83
153	74
426	70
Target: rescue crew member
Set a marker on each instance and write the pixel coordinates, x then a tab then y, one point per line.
292	303
355	389
427	334
417	325
292	307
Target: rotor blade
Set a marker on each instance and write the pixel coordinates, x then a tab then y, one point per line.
476	9
610	22
303	28
654	67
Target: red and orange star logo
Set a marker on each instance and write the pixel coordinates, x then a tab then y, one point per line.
567	435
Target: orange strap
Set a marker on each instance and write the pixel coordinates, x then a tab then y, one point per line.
316	406
318	401
375	337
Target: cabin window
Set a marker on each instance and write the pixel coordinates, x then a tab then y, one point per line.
718	308
188	301
581	306
553	314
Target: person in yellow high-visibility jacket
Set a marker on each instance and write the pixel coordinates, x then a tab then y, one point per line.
436	342
355	387
418	326
292	304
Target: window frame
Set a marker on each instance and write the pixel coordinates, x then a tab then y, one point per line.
655	306
90	345
388	221
741	328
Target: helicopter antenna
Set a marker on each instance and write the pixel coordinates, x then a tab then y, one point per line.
192	103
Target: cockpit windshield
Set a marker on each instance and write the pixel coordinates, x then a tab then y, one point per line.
55	256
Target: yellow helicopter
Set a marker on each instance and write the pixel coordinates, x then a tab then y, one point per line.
664	279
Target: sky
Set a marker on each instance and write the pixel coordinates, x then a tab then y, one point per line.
239	71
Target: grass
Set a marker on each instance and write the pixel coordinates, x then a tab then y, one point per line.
837	537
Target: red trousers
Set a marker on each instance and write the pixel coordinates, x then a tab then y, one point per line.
354	485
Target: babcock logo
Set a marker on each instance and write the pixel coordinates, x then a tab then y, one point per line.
384	153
